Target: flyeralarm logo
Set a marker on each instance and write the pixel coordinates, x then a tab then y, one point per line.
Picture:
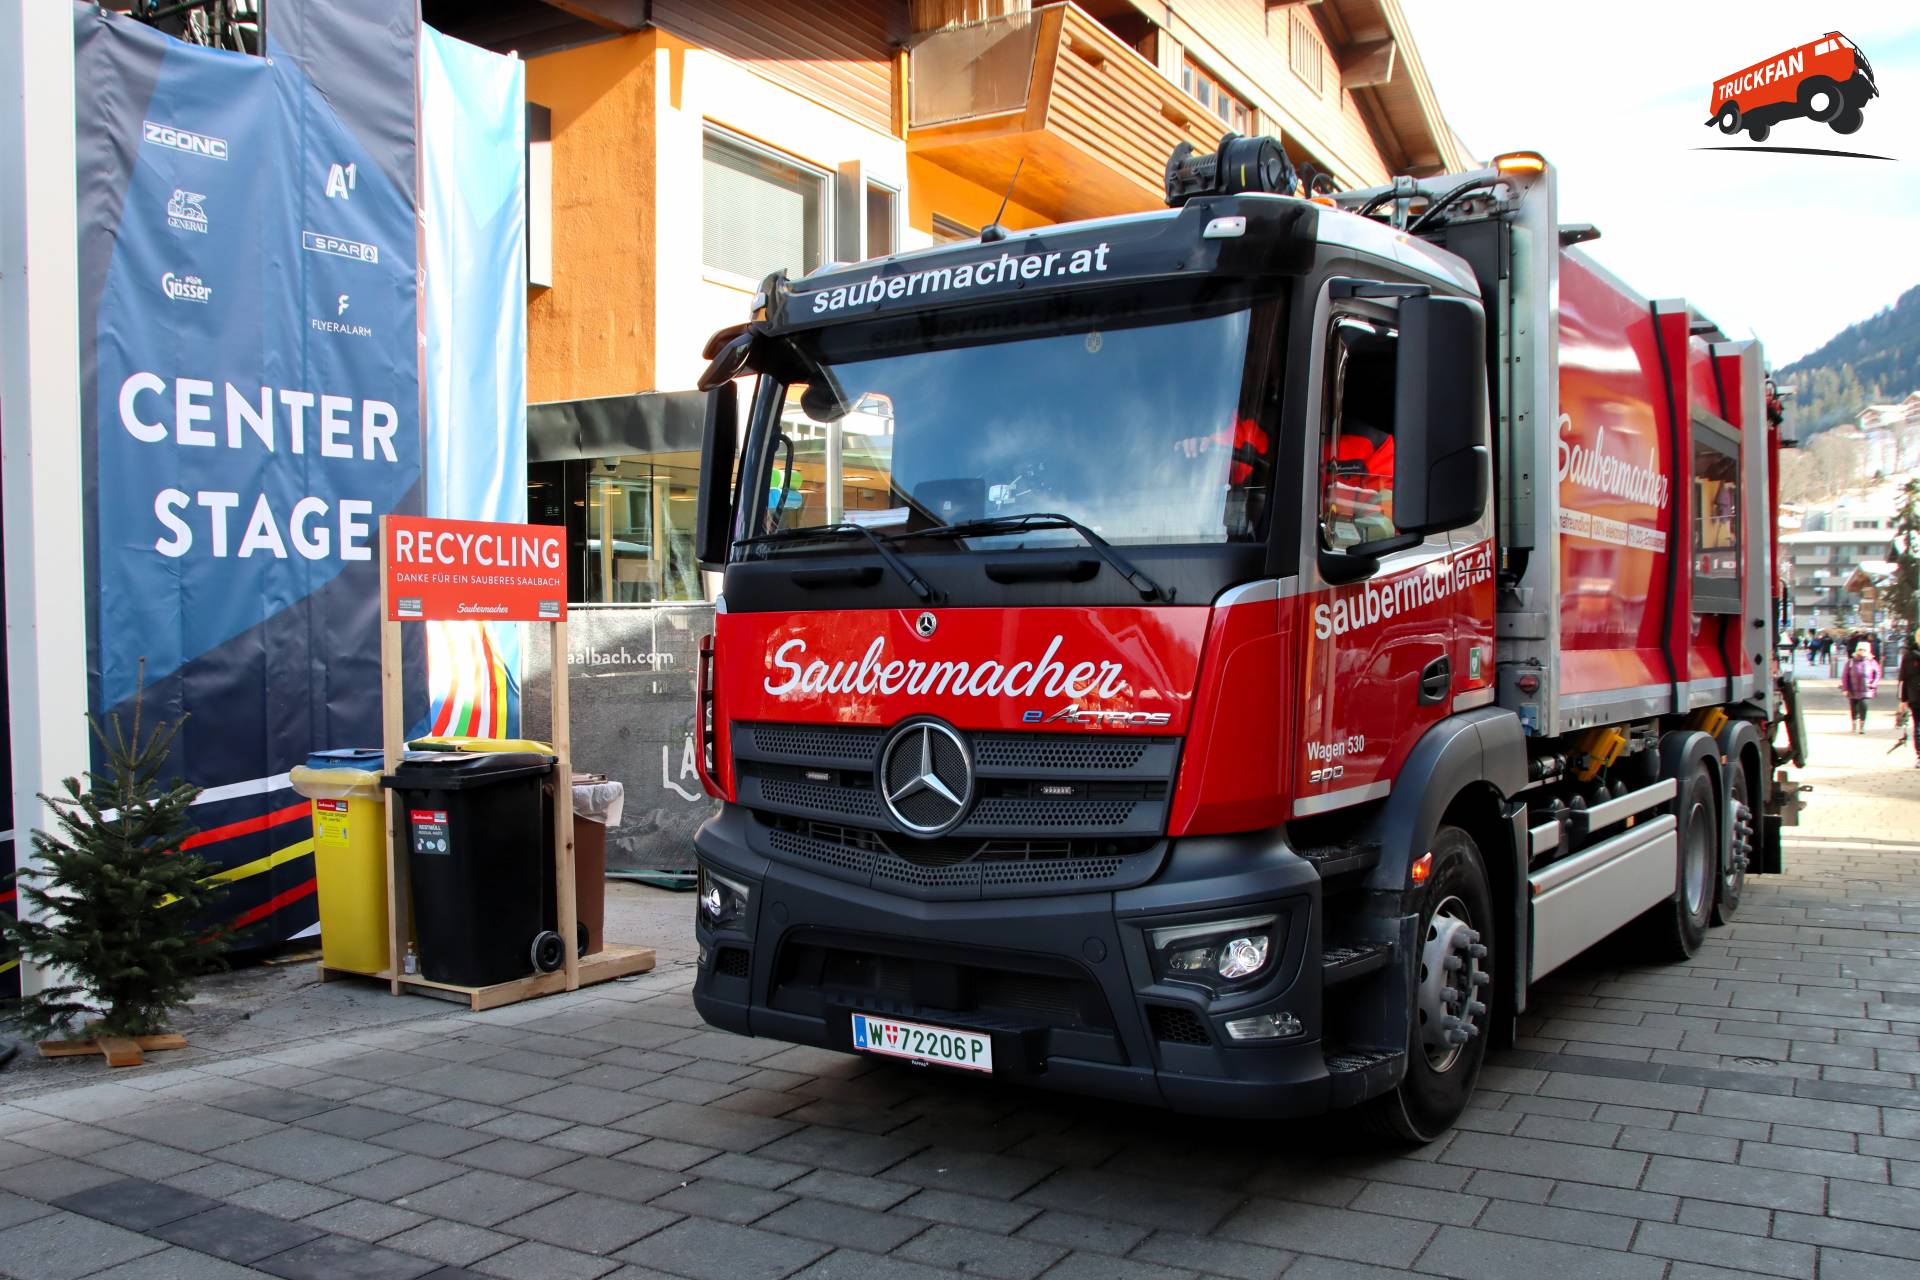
1827	81
194	144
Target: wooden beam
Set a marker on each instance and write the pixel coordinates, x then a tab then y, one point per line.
615	15
1368	65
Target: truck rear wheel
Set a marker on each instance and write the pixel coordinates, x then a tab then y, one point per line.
1680	925
1729	118
1447	1041
1733	876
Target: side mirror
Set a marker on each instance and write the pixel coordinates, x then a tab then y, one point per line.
1441	453
713	513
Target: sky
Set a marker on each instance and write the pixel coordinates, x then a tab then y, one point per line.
1789	248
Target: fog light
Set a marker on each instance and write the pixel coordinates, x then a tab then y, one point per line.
1264	1026
1243	957
1192	960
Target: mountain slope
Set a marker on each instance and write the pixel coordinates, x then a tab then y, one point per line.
1875	360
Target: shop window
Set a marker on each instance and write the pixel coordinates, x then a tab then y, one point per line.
1216	97
1716	518
1356	452
629	525
760	212
1305	52
881	204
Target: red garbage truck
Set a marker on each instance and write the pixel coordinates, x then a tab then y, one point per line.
1220	658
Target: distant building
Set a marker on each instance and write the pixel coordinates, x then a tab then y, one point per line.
1818	564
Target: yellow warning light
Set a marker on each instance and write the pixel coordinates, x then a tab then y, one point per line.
1521	162
1422	868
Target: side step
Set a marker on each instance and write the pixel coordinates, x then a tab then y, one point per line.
1356	1074
1345	961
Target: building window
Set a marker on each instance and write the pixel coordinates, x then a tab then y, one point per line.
760	212
881	204
1304	50
1216	97
629	523
949	231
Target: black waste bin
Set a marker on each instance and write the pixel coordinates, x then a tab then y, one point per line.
471	826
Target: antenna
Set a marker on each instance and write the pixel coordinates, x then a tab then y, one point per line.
993	230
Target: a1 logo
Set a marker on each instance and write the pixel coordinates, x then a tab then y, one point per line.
341	179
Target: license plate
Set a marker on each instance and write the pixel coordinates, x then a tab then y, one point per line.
965	1049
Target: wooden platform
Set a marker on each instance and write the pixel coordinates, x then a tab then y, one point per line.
119	1051
610	962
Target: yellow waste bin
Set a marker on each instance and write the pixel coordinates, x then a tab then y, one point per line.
349	855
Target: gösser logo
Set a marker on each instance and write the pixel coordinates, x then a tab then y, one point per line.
185	288
314	242
185	212
1828	81
194	144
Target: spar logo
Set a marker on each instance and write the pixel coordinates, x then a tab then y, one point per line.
315	242
1378	602
194	144
185	288
186	211
1826	81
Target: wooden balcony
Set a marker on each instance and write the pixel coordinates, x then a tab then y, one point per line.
1093	120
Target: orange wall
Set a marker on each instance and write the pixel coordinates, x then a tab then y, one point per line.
593	333
931	190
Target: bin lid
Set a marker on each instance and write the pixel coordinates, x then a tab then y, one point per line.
370	759
451	742
459	770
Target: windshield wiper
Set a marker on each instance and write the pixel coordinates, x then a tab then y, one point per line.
987	526
891	557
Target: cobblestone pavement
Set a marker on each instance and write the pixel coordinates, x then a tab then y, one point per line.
1751	1112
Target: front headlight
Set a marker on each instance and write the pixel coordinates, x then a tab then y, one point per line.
1222	952
722	901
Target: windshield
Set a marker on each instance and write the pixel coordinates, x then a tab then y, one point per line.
1141	422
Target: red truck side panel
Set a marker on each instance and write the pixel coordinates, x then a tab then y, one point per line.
1615	469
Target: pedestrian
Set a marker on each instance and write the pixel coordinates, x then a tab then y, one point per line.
1859	679
1910	690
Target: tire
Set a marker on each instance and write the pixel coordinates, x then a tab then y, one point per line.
548	953
1679	925
1456	920
1733	876
1820	98
1759	132
1848	121
580	934
1729	118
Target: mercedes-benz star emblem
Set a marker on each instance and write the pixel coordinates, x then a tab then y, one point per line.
926	778
925	624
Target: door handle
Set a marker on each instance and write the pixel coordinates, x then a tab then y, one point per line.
1436	681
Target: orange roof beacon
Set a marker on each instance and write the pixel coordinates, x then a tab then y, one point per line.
1828	81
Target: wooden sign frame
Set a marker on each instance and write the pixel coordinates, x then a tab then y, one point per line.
611	961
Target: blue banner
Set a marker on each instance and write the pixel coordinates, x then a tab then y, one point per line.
251	398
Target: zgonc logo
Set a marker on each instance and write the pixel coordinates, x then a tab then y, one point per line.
1827	81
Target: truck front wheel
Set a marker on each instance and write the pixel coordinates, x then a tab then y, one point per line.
1848	121
1448	1039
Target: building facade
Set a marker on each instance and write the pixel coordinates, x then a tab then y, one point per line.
1819	563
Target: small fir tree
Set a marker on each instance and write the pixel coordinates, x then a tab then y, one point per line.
117	906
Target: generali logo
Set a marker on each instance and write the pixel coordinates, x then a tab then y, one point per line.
1827	81
186	211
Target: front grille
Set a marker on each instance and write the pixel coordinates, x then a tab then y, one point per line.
1174	1025
1026	784
960	867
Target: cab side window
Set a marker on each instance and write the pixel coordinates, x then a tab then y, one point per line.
1357	443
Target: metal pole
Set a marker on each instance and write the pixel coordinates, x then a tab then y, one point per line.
40	416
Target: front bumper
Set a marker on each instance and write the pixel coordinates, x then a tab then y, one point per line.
1063	984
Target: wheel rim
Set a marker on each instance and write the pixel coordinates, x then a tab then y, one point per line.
1742	851
1699	858
1453	971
